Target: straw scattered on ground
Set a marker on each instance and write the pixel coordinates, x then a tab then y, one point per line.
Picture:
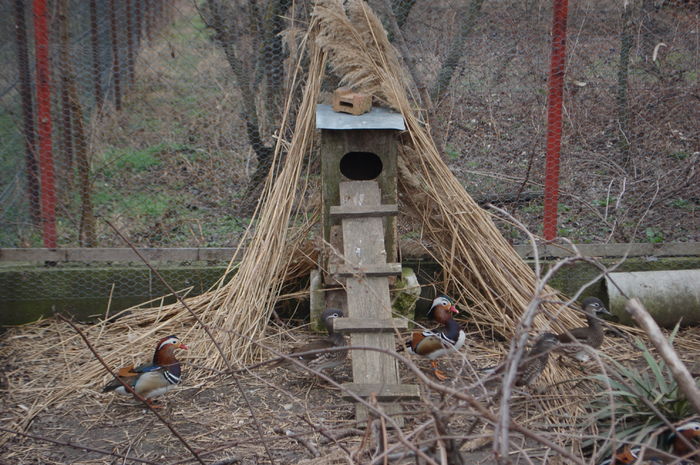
50	371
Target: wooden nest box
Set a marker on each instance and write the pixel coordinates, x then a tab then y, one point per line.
359	190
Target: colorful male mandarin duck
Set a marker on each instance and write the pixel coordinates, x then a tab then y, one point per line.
691	432
591	335
432	344
321	360
625	455
679	448
153	379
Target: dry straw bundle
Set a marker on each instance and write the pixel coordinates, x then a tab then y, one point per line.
484	268
487	273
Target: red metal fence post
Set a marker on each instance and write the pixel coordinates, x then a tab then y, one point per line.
43	101
554	114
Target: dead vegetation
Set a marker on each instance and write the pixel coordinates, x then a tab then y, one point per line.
226	413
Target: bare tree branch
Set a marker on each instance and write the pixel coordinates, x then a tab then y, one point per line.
209	333
79	446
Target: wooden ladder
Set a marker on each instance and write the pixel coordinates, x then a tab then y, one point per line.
369	321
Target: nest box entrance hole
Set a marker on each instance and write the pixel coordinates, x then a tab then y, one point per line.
361	166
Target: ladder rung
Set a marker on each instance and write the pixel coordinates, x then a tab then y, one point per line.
383	392
368	270
364	211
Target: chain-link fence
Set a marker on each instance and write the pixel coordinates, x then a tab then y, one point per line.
65	63
159	116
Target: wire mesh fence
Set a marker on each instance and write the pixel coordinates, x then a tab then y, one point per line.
161	116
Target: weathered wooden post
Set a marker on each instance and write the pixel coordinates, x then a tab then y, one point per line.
359	188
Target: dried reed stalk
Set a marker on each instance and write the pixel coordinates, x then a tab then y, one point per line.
486	271
483	268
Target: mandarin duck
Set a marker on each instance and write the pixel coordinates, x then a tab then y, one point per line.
319	361
591	335
625	455
679	448
432	344
691	432
153	379
533	362
637	455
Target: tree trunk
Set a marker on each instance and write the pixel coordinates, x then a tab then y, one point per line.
28	123
76	128
401	9
273	55
245	77
455	52
623	116
64	168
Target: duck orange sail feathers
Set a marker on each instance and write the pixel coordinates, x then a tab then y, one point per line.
433	344
153	379
691	432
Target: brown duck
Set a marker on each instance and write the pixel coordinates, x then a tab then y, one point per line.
319	361
533	362
591	335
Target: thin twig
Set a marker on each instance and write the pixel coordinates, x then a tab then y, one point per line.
329	438
209	333
311	447
79	446
130	389
227	461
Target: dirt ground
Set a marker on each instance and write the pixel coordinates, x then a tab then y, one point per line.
212	416
303	419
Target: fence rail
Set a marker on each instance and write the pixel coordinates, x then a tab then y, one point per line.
199	254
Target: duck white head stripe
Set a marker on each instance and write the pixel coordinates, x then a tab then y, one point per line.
693	425
170	340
